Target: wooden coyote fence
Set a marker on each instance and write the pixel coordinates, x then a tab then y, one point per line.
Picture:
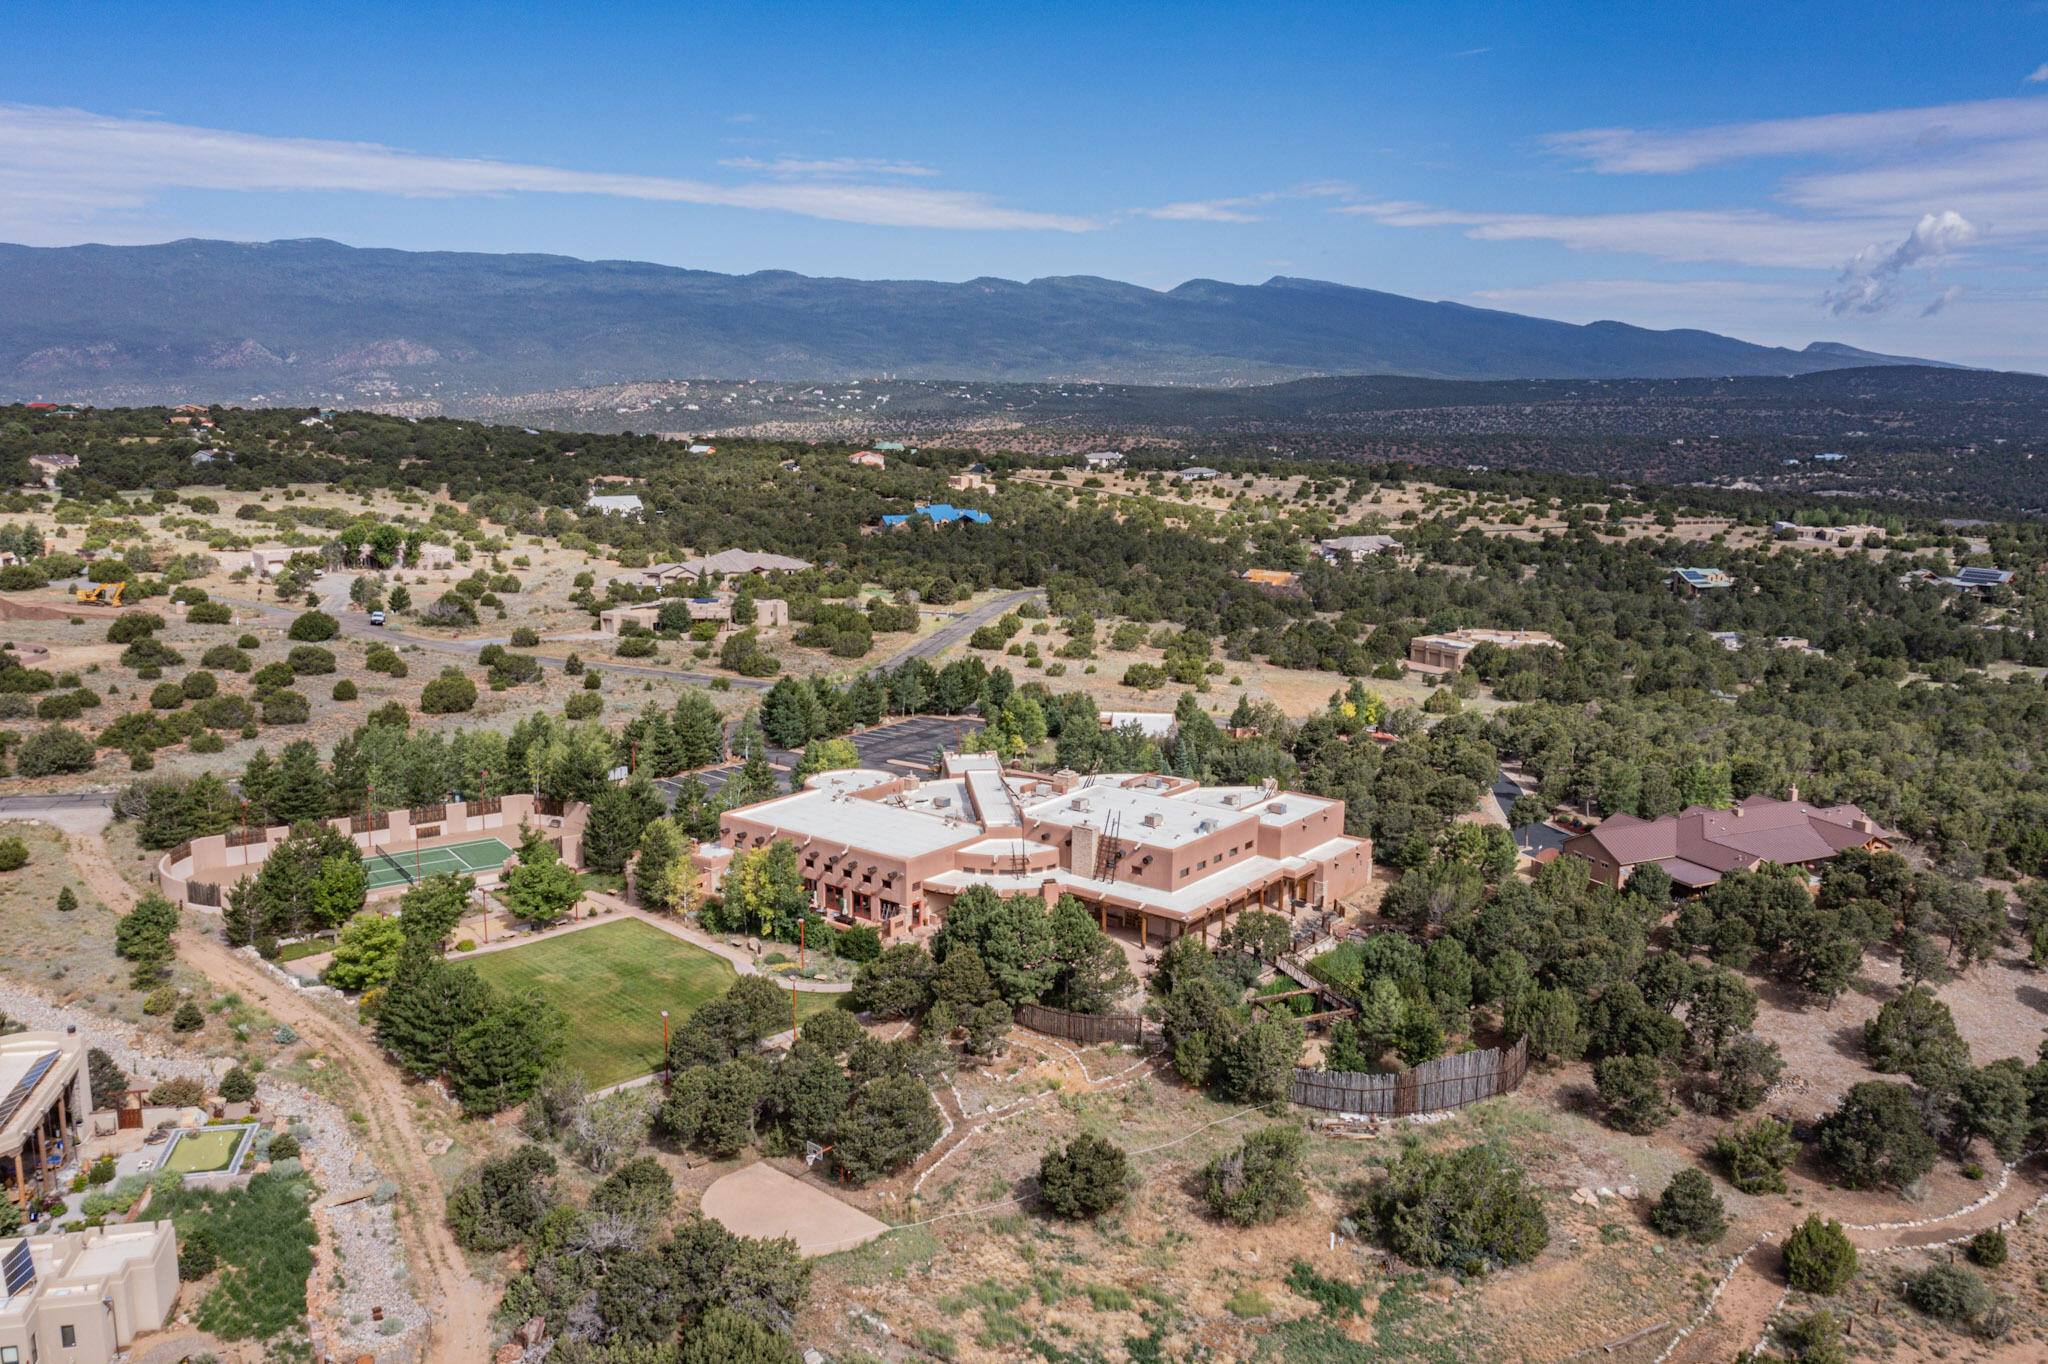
203	893
1447	1082
1089	1028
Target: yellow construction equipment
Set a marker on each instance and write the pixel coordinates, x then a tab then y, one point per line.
106	594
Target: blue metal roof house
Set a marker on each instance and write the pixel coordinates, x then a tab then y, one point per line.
942	513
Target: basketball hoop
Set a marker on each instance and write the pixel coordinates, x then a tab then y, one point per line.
814	1152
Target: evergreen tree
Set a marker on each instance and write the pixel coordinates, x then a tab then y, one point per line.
498	1059
699	732
618	814
427	1005
661	850
299	791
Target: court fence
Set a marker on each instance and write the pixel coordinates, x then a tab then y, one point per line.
1447	1082
220	860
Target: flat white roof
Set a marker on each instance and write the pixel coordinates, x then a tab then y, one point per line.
1180	820
838	821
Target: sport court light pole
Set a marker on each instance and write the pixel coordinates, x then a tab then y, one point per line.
665	1074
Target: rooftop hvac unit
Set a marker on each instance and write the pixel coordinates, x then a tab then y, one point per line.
1154	820
1079	807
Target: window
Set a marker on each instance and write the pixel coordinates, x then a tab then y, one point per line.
1183	873
10	1355
67	1336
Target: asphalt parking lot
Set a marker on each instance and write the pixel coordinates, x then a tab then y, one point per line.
894	747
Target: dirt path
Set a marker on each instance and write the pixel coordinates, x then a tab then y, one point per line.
458	1306
1756	1288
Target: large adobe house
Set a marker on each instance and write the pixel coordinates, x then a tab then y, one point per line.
1697	846
1158	856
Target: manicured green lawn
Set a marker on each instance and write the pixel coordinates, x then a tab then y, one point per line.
204	1151
613	981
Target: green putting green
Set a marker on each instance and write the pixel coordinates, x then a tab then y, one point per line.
613	981
205	1151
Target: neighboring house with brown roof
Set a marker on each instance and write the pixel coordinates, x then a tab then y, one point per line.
1698	846
1440	654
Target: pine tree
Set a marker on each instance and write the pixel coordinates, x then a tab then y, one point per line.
299	791
699	732
660	849
425	1007
430	910
498	1059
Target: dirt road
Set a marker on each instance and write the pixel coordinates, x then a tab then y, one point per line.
1756	1288
458	1306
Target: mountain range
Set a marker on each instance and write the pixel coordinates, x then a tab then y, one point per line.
314	320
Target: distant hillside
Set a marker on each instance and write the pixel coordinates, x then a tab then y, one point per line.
311	320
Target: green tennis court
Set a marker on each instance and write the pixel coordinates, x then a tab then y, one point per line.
383	870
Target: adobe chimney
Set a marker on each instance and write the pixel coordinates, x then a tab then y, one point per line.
1792	793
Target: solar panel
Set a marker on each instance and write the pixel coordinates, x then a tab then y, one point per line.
19	1267
19	1094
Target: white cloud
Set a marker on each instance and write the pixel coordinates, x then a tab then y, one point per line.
1943	299
1742	236
1872	281
1634	151
84	166
1209	211
837	167
2040	74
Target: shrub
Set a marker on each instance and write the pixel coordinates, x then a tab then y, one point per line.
271	676
225	656
448	694
150	652
1468	1210
1689	1208
284	1146
1633	1089
181	1092
591	681
1756	1155
583	705
167	696
13	854
1953	1294
136	625
489	655
859	944
286	708
238	1086
67	901
189	1018
1086	1179
1817	1339
525	638
572	666
308	660
1819	1257
382	658
63	705
1988	1248
313	627
162	1000
210	613
638	647
21	578
197	686
1258	1182
1874	1137
53	750
344	690
248	642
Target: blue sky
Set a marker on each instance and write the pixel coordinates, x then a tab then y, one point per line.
1874	173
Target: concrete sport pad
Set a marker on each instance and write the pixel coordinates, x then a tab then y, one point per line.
763	1202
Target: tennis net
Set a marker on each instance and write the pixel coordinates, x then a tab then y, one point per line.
394	864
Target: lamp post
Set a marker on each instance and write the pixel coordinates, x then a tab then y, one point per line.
664	1049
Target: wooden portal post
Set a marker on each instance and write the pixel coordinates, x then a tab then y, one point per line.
1144	929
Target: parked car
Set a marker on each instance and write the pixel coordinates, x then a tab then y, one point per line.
376	618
